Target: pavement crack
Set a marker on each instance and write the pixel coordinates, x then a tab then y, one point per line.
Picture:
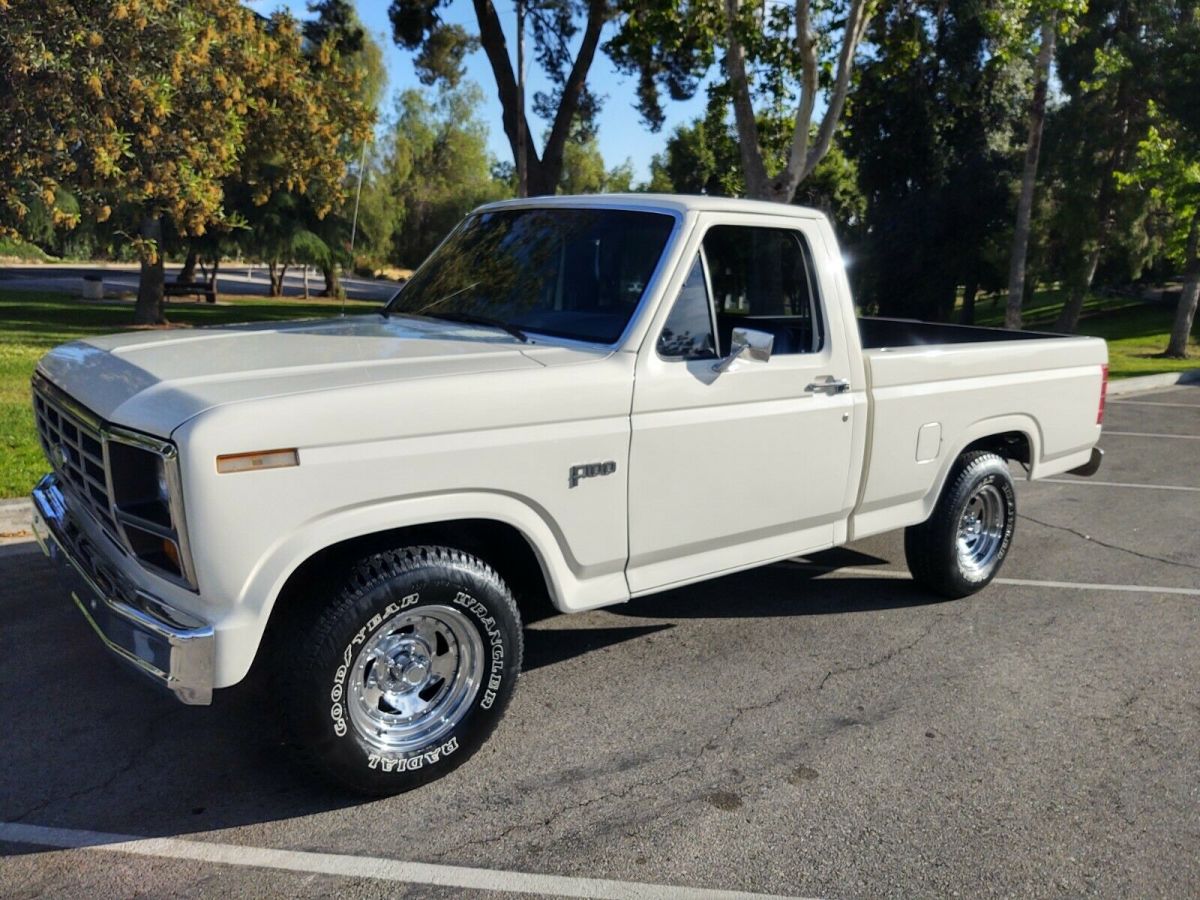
880	660
658	780
1117	547
136	756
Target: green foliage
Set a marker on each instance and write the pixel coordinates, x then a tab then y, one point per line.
435	167
584	172
935	128
565	35
1165	170
16	248
1165	173
776	58
702	158
1089	221
143	112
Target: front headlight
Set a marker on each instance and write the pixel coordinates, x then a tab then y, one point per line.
148	502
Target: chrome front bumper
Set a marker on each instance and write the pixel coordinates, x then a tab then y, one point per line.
171	647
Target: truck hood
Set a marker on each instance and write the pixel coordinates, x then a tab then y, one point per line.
155	381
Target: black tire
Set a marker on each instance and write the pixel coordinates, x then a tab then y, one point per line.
398	597
932	548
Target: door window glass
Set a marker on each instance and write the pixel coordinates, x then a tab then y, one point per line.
762	279
688	332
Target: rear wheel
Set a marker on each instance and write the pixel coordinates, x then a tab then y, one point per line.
960	548
404	674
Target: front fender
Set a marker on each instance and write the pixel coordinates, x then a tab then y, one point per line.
572	587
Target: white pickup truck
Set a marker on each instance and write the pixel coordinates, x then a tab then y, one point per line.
575	399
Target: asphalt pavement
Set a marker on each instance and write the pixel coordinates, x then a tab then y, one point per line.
122	279
817	728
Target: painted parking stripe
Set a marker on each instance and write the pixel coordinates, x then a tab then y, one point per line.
1146	434
378	868
1157	403
1118	484
864	572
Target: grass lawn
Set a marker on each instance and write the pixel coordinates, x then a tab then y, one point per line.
31	322
1136	331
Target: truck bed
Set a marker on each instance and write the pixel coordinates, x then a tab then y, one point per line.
877	334
934	389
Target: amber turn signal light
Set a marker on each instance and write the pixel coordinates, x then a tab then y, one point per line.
258	459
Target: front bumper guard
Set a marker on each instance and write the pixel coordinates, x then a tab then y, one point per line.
171	647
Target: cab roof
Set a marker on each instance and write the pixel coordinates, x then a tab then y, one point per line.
678	204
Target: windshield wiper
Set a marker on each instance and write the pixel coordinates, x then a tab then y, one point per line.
472	319
387	310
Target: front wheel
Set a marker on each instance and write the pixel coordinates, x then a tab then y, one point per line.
959	549
404	674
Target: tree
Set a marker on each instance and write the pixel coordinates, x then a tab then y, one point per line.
1180	74
1103	70
418	25
1168	169
583	170
1037	116
766	51
358	56
146	108
703	158
436	168
932	133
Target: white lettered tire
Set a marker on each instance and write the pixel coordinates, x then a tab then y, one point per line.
404	673
963	544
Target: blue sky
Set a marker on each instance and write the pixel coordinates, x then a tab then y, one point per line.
621	131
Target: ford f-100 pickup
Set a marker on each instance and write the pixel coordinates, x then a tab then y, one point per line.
574	400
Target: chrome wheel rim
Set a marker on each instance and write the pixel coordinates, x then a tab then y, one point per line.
415	678
981	530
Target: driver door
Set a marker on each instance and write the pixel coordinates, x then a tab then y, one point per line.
733	468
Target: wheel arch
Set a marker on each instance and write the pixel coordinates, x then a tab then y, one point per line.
509	535
1013	437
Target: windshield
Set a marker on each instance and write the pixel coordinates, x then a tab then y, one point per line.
573	273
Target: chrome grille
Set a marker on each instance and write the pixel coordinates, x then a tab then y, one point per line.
76	452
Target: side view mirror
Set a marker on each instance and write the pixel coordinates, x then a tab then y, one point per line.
748	343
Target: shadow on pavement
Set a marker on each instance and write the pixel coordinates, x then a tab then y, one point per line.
791	588
88	745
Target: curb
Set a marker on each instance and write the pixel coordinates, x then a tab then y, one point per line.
1150	382
15	516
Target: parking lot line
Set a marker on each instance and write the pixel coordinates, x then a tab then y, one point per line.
1146	434
337	864
1091	482
864	572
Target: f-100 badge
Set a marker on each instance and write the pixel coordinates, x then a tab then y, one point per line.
590	470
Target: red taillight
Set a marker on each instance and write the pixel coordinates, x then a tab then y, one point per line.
1103	394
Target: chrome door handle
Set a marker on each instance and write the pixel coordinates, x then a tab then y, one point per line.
832	386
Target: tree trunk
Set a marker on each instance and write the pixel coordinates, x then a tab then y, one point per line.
1185	312
306	297
275	272
188	272
753	168
1037	115
544	171
212	281
969	293
333	287
149	307
1068	319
